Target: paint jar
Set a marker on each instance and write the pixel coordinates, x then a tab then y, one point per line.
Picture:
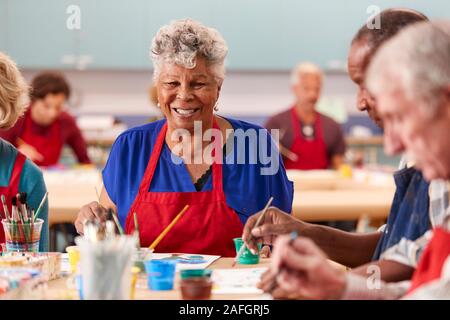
160	274
196	288
105	267
74	257
246	257
141	256
22	237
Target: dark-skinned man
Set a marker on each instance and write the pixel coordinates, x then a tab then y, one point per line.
394	248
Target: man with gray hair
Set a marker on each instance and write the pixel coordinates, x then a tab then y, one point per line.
394	249
308	139
410	79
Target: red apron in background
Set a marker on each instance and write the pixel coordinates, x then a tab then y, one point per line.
312	154
49	145
12	188
432	260
207	227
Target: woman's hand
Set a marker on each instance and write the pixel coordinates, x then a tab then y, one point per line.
302	269
95	210
275	222
30	152
90	211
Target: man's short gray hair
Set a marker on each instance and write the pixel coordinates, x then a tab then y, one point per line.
417	60
182	41
304	68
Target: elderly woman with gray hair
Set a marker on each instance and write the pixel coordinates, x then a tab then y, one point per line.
192	157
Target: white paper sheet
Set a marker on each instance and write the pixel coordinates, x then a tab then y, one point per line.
188	261
237	281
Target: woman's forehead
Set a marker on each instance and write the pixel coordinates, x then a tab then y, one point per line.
176	71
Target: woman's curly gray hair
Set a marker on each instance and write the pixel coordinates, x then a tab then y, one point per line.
182	41
13	92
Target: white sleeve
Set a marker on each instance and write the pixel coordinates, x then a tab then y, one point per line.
408	252
360	288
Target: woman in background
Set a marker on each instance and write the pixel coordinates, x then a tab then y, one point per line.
17	174
46	127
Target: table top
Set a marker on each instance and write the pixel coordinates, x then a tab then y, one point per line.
317	197
58	289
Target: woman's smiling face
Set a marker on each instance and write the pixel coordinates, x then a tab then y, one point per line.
187	95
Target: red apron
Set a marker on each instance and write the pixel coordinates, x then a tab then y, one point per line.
207	227
432	260
12	188
49	145
312	154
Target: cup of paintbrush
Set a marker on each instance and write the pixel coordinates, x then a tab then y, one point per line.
22	237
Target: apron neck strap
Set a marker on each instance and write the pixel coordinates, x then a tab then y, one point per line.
217	167
156	152
296	123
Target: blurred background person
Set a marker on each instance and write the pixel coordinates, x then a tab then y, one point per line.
46	127
308	139
17	174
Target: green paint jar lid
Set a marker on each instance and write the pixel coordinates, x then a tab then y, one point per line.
185	274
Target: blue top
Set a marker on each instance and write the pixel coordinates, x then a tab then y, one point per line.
409	215
247	188
31	182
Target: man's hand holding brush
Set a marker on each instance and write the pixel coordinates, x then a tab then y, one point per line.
300	269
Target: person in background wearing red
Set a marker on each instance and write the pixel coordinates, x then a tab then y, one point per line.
46	127
308	139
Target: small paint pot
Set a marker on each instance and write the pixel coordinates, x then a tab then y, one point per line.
160	274
196	288
74	257
246	257
185	274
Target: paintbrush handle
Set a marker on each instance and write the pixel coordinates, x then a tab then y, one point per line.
293	235
116	221
167	229
5	208
288	153
258	222
39	209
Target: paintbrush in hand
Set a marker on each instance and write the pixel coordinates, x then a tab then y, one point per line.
273	285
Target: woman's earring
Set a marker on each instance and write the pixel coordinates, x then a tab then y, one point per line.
216	107
158	105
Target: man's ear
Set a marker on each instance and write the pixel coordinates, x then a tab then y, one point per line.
294	89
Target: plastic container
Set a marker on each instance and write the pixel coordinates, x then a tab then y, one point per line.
105	267
246	257
74	257
196	288
160	274
22	237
